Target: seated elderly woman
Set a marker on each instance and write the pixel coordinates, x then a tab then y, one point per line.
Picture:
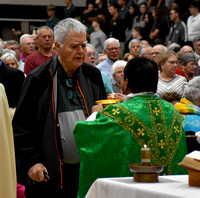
188	66
10	60
169	81
114	139
117	71
189	106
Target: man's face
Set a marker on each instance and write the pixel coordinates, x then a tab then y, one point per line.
193	10
173	15
156	51
28	47
67	1
197	47
112	10
90	56
135	49
186	49
50	13
94	24
72	53
148	53
16	49
45	39
113	51
134	33
121	2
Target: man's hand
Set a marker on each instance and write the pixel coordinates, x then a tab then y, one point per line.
97	108
36	172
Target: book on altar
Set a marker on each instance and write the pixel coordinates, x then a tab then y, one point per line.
191	161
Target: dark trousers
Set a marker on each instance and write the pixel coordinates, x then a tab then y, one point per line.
49	189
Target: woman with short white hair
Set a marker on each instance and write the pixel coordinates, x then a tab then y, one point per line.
10	60
117	71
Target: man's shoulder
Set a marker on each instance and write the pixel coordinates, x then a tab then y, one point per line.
45	67
91	72
87	68
104	63
32	56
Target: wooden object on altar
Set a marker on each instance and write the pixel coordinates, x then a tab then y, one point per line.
146	171
194	177
192	162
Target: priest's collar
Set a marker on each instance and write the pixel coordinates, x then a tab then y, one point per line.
131	95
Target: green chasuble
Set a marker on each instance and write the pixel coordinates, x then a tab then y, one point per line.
114	140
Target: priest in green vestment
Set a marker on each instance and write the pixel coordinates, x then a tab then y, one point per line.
114	139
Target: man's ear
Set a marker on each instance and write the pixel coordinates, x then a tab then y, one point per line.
37	38
105	51
57	46
126	84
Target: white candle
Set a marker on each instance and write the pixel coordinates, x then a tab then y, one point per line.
145	154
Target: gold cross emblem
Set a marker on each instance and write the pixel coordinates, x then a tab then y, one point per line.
116	111
161	144
156	111
176	129
140	132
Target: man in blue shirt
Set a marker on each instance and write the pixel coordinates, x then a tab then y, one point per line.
112	50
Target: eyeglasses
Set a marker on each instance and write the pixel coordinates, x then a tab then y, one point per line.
70	91
89	54
29	44
113	48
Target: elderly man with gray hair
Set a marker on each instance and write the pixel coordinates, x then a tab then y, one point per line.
27	46
45	40
135	46
55	96
112	50
156	50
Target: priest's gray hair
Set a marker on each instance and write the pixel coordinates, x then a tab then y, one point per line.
66	25
109	41
192	91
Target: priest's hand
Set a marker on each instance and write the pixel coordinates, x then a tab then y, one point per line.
97	108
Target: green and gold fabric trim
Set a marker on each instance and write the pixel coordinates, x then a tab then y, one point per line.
163	141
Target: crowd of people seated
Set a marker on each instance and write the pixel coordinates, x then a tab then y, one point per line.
93	56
